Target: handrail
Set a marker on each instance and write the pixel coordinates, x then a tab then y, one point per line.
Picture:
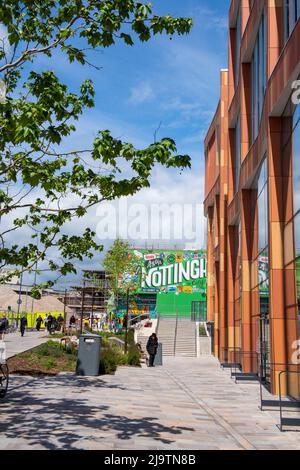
297	402
252	355
138	316
272	403
157	325
175	337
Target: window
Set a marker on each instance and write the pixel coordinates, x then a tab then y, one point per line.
260	265
292	228
237	165
258	76
238	47
291	16
218	146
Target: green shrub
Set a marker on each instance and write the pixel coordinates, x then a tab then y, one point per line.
121	358
134	356
70	349
108	362
202	330
130	337
51	348
48	362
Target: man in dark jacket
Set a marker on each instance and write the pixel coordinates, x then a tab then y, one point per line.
152	346
39	322
23	325
49	322
2	328
60	321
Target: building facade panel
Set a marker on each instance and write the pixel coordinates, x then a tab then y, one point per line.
254	210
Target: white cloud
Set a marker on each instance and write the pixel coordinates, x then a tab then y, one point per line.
210	19
141	93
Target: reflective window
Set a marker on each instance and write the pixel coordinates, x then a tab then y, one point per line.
260	265
291	16
292	228
238	47
296	159
259	76
237	166
262	203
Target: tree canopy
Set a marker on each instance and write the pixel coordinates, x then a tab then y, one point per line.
38	180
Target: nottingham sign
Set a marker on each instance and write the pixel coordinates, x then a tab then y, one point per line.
182	271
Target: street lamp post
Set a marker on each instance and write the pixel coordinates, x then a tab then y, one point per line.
126	319
82	307
19	299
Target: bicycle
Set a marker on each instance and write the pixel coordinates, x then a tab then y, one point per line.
4	378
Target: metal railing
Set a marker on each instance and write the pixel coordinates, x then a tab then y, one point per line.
266	404
175	335
229	357
294	405
246	360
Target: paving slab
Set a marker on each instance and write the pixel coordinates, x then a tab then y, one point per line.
189	403
16	344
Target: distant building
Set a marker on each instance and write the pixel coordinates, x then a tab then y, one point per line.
90	297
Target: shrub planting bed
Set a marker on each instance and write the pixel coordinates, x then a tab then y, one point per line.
51	358
47	359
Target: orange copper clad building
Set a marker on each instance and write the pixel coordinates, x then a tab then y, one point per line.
252	195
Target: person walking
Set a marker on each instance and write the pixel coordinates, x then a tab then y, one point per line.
39	322
60	321
72	324
2	328
152	346
6	324
23	325
49	323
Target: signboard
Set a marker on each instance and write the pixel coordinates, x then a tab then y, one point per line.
173	271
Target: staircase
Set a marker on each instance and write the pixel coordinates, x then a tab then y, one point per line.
178	336
166	334
186	339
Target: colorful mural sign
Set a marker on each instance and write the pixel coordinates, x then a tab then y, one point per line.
174	271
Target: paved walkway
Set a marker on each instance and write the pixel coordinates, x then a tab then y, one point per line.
15	343
187	404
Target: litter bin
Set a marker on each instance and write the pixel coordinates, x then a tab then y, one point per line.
88	358
158	361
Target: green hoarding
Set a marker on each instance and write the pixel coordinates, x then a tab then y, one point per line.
177	279
171	271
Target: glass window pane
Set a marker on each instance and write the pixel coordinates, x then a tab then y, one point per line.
238	47
237	152
262	203
296	163
297	235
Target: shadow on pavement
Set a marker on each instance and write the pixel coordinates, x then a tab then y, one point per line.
33	412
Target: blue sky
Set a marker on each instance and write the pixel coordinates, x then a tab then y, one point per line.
173	84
